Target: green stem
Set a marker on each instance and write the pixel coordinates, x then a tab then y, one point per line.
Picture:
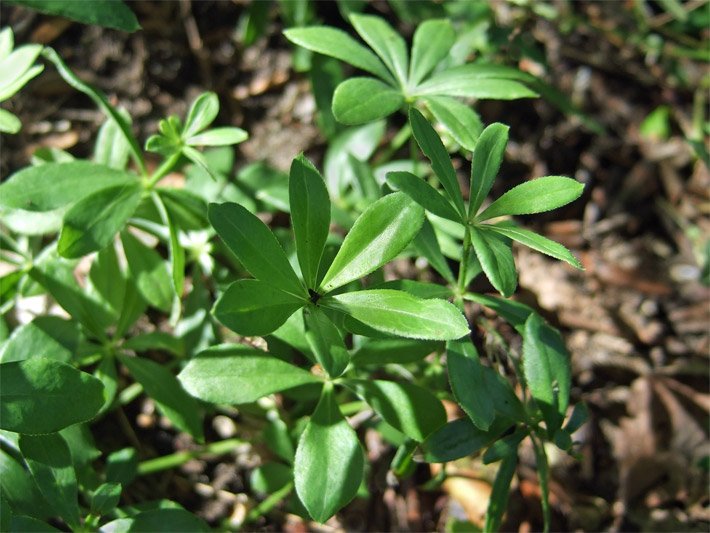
270	502
543	474
402	136
180	458
463	266
163	170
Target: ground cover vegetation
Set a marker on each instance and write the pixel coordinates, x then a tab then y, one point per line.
341	319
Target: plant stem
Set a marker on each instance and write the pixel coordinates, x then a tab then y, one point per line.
270	502
180	458
398	140
463	266
543	474
163	170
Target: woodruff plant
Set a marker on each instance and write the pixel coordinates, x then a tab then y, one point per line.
340	338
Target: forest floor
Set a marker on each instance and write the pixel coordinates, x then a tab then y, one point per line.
636	320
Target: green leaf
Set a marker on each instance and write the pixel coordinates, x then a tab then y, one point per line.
535	196
338	44
496	259
101	101
468	83
504	446
17	487
361	100
226	136
460	438
399	351
423	193
325	341
433	148
310	216
427	245
105	498
165	520
50	462
432	42
462	122
108	13
499	496
386	43
413	410
177	252
149	272
468	383
164	388
28	524
399	313
9	123
232	374
253	307
201	114
538	242
39	395
54	185
16	67
255	246
420	289
92	222
51	337
547	370
111	148
58	279
329	461
378	236
487	158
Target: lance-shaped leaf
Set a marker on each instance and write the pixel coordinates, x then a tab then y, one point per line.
232	374
487	158
361	100
496	258
399	351
310	216
325	341
162	386
499	495
100	100
538	242
201	114
386	43
431	43
255	246
50	462
433	148
329	461
470	82
378	235
39	395
400	313
423	193
108	13
535	196
413	410
547	370
338	44
149	272
92	223
427	244
177	252
54	185
461	120
253	307
47	336
468	383
459	438
225	136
